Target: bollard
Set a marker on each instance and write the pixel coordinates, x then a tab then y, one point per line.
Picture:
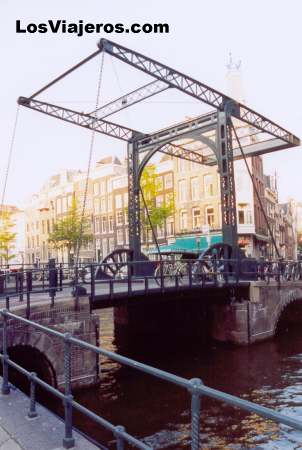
5	385
68	440
32	405
119	439
195	413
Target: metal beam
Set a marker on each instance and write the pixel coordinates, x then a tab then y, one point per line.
83	120
140	94
187	129
195	89
178	151
63	75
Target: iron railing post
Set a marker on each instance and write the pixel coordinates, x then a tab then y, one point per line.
28	289
76	289
21	279
162	278
92	282
32	405
5	385
61	277
119	439
7	302
262	268
195	413
68	440
129	276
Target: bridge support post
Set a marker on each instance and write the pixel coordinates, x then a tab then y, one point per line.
5	390
134	200
68	441
227	179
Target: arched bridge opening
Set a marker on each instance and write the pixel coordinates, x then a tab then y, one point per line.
33	360
290	318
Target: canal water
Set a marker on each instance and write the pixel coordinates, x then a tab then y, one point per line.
268	373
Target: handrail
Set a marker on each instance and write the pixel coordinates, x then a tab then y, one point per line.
194	386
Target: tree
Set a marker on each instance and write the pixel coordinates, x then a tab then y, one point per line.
7	236
68	233
152	188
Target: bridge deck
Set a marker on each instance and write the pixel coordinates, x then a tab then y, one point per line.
110	293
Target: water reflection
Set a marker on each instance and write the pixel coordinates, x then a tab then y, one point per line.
268	373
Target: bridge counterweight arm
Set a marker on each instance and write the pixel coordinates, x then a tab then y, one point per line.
195	89
83	120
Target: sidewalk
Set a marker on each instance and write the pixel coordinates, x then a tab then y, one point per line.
45	432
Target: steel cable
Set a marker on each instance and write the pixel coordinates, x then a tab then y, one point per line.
9	160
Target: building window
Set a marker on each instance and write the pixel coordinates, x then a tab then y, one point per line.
195	188
104	224
159	201
244	214
103	205
118	201
208	185
127	236
170	227
96	205
183	220
96	188
160	231
97	224
120	236
159	183
126	218
119	218
43	226
210	217
196	216
110	224
104	247
182	190
109	203
168	181
126	199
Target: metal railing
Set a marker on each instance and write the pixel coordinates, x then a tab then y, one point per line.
127	278
195	387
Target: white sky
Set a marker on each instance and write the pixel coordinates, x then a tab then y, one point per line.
265	35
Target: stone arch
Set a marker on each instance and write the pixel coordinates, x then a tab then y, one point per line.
33	360
41	351
292	298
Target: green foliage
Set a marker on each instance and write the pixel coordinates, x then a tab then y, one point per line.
66	232
7	236
152	188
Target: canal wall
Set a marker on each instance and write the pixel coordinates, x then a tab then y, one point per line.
43	353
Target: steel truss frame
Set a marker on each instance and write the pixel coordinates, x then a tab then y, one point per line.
142	146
